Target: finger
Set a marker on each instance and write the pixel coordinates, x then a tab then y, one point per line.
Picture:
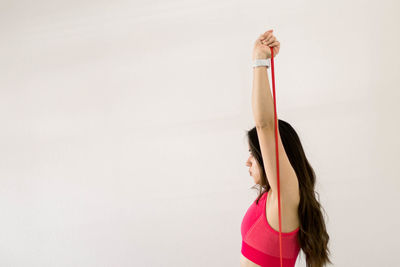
263	40
266	35
270	40
275	43
276	50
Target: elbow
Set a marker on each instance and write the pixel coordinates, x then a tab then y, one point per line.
265	124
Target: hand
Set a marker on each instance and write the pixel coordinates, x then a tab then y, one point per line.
262	46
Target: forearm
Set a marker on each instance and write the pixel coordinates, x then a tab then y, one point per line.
261	98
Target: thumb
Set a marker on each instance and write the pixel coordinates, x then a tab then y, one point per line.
268	31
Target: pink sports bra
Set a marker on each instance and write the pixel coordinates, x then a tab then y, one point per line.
260	242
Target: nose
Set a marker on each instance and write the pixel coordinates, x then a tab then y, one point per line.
248	163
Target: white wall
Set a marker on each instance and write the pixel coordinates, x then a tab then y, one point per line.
123	127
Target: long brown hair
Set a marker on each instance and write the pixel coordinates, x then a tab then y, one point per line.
312	236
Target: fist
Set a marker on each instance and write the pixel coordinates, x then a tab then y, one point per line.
263	45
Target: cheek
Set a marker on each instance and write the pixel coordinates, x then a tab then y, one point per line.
257	169
255	165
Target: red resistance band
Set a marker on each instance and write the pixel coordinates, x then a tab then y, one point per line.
277	155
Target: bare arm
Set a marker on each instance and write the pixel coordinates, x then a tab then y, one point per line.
262	101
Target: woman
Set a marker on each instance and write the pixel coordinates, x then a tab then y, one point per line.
302	223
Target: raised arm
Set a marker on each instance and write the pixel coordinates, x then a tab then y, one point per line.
263	111
261	99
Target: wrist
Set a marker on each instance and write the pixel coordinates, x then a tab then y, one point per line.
259	56
261	63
